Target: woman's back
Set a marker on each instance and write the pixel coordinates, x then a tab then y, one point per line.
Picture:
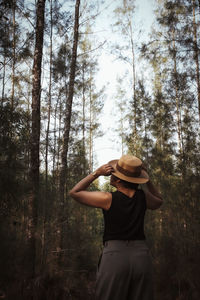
125	218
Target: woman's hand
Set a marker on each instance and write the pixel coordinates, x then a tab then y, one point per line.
94	198
104	170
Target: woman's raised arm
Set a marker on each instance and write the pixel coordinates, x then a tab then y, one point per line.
95	199
153	197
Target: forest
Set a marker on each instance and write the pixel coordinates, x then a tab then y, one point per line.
51	112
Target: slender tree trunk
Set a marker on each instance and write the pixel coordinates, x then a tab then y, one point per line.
49	102
83	110
90	132
59	135
54	140
35	135
91	129
145	136
178	111
196	57
134	83
43	256
55	136
122	129
3	83
69	105
62	179
4	67
14	54
134	89
199	7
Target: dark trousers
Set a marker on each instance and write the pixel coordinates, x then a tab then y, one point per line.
125	272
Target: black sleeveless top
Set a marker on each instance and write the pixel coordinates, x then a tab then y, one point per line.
125	218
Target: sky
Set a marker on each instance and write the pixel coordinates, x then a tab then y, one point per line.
108	147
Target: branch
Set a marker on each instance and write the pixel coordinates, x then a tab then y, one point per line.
92	50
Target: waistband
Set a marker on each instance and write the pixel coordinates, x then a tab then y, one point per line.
133	243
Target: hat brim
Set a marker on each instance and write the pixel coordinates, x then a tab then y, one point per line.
143	178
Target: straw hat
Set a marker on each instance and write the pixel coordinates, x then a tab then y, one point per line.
129	168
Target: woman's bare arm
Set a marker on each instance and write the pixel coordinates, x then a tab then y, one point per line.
153	197
95	199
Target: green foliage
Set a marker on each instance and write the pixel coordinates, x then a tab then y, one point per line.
60	62
14	183
172	157
14	149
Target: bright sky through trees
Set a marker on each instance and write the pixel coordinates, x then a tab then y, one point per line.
107	147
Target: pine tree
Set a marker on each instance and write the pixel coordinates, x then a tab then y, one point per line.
124	23
173	125
35	138
62	176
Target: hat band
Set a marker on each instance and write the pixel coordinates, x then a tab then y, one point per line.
127	173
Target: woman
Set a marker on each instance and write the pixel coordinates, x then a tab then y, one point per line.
125	270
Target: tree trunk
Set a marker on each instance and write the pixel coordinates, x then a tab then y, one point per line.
134	85
199	7
43	256
62	179
3	79
134	79
49	100
178	110
35	135
59	136
196	57
84	118
6	30
55	137
91	131
14	55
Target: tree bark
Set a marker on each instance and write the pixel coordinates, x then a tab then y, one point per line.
55	136
134	85
35	134
178	109
91	131
14	55
62	178
49	99
84	118
43	256
3	79
196	57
